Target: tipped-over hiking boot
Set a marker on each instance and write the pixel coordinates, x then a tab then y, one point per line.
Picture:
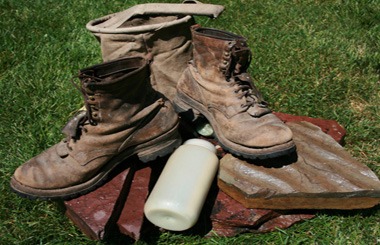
124	116
216	84
157	30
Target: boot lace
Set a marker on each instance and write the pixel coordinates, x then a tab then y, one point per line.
237	74
88	95
73	129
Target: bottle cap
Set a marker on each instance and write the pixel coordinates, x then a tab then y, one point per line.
202	143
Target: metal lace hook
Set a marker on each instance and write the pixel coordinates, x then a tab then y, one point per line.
82	76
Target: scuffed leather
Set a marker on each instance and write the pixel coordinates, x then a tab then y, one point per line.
168	47
216	83
72	129
160	31
128	113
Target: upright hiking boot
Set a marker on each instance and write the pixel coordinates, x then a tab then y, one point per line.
216	85
159	31
124	116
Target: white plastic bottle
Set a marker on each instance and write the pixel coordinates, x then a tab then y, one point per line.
180	192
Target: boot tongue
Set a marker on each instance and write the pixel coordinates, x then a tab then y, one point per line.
72	129
242	55
255	104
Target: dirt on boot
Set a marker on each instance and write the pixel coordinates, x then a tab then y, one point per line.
216	85
124	116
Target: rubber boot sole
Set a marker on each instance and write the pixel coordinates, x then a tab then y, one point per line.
191	109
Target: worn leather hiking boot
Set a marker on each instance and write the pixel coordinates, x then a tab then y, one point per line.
216	85
124	116
160	31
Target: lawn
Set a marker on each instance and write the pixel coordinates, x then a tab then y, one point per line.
313	58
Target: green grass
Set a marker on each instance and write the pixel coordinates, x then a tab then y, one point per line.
313	58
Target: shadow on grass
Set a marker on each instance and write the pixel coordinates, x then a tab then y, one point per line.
351	213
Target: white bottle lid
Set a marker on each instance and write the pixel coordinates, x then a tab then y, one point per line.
202	143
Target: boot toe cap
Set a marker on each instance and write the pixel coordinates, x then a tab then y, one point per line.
269	136
262	132
30	174
44	171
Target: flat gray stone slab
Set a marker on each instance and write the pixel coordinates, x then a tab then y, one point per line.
321	175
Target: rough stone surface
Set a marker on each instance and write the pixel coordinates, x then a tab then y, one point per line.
120	202
230	218
132	221
221	215
321	175
228	211
96	212
330	127
282	222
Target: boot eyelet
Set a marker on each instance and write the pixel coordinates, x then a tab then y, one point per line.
222	69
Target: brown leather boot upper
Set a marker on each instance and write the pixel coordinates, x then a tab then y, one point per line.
216	84
160	31
169	48
124	116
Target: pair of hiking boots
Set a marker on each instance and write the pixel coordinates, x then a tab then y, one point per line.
157	63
